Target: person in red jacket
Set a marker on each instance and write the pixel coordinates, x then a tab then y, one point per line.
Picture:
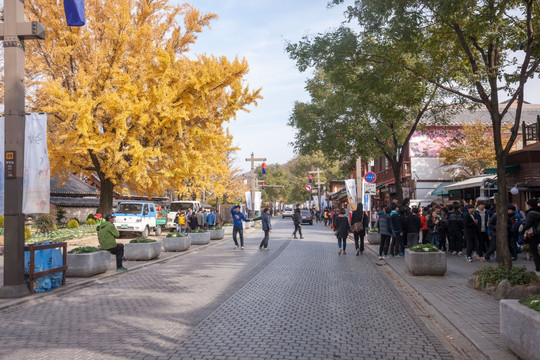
424	228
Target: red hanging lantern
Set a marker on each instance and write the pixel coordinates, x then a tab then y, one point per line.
263	168
310	180
263	186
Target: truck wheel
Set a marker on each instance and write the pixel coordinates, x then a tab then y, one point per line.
158	230
144	233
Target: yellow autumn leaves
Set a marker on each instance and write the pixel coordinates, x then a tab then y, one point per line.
128	102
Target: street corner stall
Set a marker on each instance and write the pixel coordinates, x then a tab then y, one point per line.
482	187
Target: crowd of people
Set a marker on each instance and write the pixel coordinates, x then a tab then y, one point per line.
462	229
189	220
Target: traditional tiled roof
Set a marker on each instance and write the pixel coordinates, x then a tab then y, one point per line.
73	186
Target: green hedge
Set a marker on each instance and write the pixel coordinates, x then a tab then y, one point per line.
424	248
533	302
141	241
517	275
84	250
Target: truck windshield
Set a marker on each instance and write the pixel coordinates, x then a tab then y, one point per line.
182	206
129	208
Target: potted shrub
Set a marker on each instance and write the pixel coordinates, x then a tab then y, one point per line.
503	283
176	242
228	228
520	325
87	261
142	249
425	259
217	233
199	237
373	237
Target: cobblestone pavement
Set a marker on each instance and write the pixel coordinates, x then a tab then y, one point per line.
475	313
300	300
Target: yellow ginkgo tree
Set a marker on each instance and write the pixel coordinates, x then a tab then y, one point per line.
127	101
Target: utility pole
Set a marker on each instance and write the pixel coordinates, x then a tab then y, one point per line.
252	159
318	183
13	31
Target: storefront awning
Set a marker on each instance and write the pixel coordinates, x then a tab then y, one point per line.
438	191
468	183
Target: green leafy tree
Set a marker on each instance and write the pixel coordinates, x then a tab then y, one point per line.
472	49
358	108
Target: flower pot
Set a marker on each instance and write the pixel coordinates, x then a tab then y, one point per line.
374	238
181	243
425	263
88	264
201	238
227	230
142	251
520	328
217	234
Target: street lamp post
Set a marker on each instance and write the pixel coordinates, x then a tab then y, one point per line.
13	32
252	159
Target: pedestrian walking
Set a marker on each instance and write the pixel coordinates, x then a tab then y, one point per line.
385	229
238	229
107	241
533	235
359	226
297	220
266	226
514	222
343	227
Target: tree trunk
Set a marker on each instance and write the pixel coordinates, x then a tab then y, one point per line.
106	196
503	252
396	170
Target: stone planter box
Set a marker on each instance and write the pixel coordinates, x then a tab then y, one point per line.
89	264
374	238
217	234
176	243
520	328
142	251
200	238
425	263
228	230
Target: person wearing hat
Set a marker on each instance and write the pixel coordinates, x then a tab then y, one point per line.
107	240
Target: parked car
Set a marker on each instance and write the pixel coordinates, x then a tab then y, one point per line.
287	212
134	216
307	217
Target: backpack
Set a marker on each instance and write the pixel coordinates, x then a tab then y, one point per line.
181	220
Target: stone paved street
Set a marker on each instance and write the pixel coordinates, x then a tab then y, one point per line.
300	300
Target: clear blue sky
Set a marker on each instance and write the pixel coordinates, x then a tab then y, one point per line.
258	31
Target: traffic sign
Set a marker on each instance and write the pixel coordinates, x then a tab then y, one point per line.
308	187
370	177
370	189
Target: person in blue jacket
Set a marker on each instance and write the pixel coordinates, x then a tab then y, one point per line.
238	217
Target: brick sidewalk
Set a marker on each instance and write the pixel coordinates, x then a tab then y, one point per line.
473	313
300	300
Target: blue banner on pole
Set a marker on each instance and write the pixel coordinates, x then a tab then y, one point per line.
74	10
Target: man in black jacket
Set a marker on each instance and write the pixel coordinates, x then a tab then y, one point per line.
413	227
359	216
455	230
266	226
297	219
533	221
470	225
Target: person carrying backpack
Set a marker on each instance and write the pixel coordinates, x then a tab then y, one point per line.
533	223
